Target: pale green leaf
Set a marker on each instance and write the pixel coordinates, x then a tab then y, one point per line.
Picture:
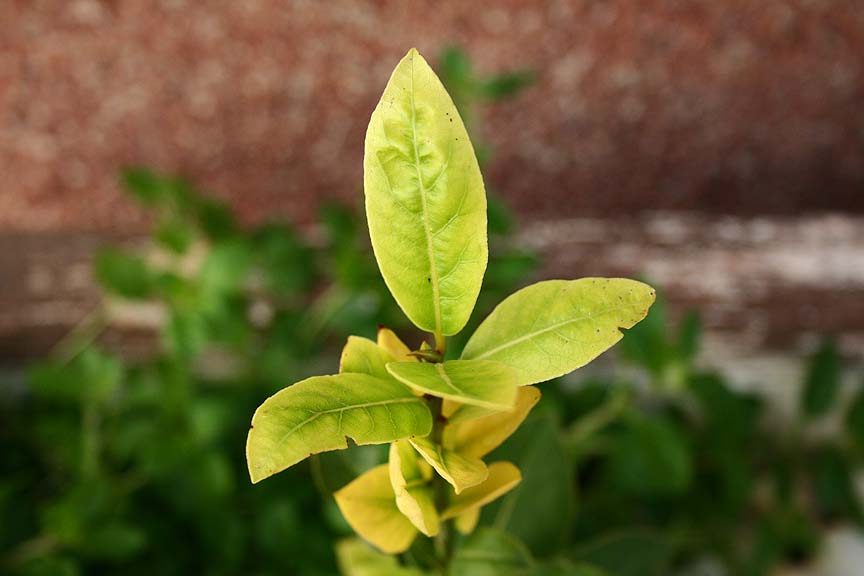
414	496
458	470
356	558
363	356
320	413
478	436
503	476
552	328
369	505
425	200
477	382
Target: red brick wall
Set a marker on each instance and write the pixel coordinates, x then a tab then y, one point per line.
745	106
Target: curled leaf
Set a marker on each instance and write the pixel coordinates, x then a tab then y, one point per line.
414	496
459	471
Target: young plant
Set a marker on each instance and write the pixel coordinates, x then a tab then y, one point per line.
426	208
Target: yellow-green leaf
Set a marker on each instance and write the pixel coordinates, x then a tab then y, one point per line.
480	383
467	521
391	343
369	505
356	558
425	200
503	477
320	413
363	356
552	328
458	470
479	436
414	496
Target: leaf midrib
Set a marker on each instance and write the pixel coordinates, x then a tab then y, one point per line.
433	270
342	409
551	328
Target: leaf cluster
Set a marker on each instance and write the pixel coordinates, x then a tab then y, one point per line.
441	414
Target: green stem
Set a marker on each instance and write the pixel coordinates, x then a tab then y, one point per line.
440	344
595	421
443	541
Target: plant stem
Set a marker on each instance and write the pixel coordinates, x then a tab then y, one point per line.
440	344
443	541
595	421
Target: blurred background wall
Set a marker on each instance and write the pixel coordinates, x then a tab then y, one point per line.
716	148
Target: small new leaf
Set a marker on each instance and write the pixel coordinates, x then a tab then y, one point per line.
552	328
458	470
390	342
479	383
369	505
320	413
425	200
414	496
503	477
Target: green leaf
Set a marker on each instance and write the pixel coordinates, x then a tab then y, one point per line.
650	457
477	437
632	553
425	200
492	553
506	85
174	234
146	186
414	496
356	558
822	382
479	383
503	477
322	412
459	471
364	356
123	274
369	505
855	419
552	328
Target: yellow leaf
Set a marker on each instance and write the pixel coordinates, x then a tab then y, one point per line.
414	496
467	521
458	470
369	505
479	436
503	476
390	342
